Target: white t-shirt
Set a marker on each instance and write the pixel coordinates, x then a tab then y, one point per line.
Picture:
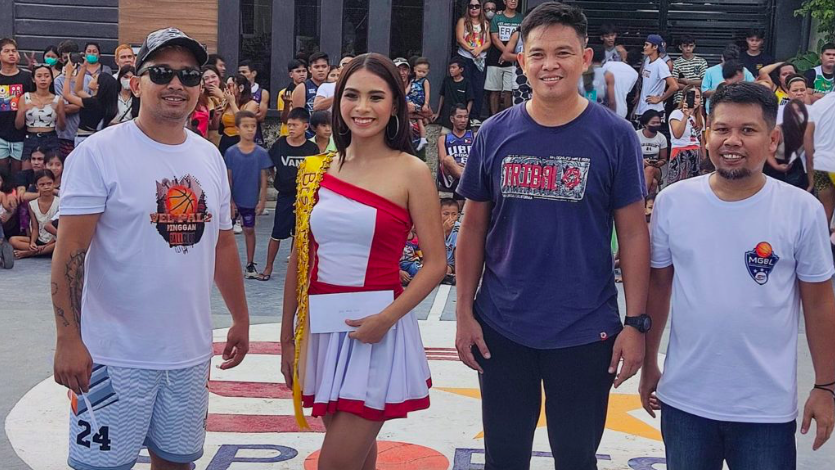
689	137
150	267
651	146
653	83
625	78
326	90
736	301
822	113
44	218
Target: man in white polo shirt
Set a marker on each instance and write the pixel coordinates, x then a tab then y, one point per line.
739	251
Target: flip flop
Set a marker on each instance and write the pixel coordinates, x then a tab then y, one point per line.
262	277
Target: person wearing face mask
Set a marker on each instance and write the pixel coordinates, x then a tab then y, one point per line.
125	95
92	53
654	148
500	73
53	60
98	108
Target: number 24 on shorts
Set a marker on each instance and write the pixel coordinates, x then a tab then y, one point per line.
102	437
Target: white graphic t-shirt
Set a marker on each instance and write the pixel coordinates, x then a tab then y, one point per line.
151	263
653	76
736	301
651	146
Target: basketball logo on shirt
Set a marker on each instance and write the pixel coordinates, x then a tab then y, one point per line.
181	212
760	262
554	178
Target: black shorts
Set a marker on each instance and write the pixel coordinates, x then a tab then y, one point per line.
284	224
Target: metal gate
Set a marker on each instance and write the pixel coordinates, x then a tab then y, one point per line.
713	23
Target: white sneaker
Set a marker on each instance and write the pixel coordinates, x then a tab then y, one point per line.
237	228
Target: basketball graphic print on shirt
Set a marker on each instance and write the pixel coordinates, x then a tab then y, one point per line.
760	262
554	178
181	212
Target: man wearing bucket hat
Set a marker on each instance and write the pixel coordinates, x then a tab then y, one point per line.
150	202
655	76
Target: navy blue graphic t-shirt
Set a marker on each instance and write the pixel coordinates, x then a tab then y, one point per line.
548	278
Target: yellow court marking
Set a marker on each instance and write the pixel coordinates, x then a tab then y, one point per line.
618	417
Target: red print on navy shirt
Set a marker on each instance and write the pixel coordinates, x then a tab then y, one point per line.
554	178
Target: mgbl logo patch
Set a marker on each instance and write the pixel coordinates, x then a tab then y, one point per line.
760	262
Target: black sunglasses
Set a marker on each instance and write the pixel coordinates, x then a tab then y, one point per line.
474	6
162	75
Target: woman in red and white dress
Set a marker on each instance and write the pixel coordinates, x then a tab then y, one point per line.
368	199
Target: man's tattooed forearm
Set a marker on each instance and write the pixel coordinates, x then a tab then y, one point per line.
75	282
59	312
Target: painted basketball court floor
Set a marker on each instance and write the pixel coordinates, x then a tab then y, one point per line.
250	423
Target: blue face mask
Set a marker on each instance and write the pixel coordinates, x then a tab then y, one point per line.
50	61
92	59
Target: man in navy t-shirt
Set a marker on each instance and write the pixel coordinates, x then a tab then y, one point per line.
544	183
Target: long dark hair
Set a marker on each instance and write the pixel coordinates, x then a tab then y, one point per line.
246	94
35	68
384	68
775	75
794	126
108	96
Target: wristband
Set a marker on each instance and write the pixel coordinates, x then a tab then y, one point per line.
823	387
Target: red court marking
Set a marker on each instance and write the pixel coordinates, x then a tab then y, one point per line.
250	389
397	456
259	424
255	347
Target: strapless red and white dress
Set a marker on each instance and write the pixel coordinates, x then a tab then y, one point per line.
356	240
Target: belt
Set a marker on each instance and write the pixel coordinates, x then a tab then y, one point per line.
43	134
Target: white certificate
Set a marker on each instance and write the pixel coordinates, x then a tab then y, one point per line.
328	312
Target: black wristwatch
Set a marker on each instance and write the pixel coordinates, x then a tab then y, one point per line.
642	323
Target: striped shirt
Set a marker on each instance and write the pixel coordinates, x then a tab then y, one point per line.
693	69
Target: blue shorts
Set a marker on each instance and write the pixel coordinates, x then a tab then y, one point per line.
163	410
247	216
11	149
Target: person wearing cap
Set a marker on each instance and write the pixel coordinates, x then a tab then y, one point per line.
655	76
405	70
145	230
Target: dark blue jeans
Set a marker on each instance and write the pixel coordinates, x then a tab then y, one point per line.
696	443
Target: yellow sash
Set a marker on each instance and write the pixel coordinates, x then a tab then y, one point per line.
311	171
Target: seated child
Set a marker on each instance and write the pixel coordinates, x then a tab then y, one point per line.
449	217
40	242
410	262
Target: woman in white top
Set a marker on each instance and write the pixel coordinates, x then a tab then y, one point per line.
41	112
472	33
686	126
125	95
